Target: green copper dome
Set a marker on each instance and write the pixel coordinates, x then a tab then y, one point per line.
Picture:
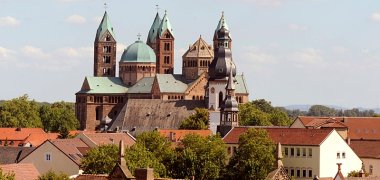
138	52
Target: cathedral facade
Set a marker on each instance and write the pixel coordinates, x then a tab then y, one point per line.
146	77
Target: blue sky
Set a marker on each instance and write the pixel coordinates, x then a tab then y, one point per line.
290	51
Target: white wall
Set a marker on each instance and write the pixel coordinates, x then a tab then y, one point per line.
333	144
300	162
219	86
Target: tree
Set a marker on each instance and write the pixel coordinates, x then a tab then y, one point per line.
51	175
261	113
100	160
150	150
201	157
20	112
254	157
6	176
320	110
197	121
59	117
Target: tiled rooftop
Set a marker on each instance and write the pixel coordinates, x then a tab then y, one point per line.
22	171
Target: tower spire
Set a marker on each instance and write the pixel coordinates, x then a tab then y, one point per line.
105	6
157	8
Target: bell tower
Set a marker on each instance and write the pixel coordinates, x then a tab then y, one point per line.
222	23
105	49
165	47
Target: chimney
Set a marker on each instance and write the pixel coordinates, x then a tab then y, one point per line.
144	174
172	137
121	153
349	141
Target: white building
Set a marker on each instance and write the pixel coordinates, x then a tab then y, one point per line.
307	152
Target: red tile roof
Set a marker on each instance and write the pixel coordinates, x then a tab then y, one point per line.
18	134
179	134
358	127
35	139
73	148
285	136
366	148
22	171
110	138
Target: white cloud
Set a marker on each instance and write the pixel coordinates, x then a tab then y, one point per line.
9	21
266	3
297	27
308	56
34	52
258	56
375	17
339	49
76	19
4	52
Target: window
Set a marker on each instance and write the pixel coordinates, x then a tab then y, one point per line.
291	151
298	173
229	150
235	149
107	59
47	157
104	71
291	172
108	38
303	152
343	155
298	152
304	173
167	46
370	169
338	155
286	152
310	152
310	173
107	49
166	60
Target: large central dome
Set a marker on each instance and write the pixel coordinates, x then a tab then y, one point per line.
138	52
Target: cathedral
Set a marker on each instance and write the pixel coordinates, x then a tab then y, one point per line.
147	94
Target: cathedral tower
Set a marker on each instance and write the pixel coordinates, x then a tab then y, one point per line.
222	23
165	47
105	49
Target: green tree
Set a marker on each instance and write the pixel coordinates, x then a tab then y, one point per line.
201	157
100	160
320	110
197	121
6	176
51	175
254	157
59	117
150	150
20	112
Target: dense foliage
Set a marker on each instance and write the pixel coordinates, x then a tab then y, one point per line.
320	110
6	176
100	160
197	121
262	113
254	157
26	113
51	175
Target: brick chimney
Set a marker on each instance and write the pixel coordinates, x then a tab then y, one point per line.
144	174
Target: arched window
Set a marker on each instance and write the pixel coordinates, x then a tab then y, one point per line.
220	98
370	169
97	113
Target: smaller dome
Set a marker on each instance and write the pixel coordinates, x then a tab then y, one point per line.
223	33
230	104
138	52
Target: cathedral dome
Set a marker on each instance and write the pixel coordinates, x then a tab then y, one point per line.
138	52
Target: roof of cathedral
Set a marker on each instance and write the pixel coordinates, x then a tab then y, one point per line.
222	23
138	52
174	83
104	26
154	113
240	85
165	25
103	85
199	49
153	29
144	85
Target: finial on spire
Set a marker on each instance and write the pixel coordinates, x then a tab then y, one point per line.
157	8
222	13
105	6
138	36
165	11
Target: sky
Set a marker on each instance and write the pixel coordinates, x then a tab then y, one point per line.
290	51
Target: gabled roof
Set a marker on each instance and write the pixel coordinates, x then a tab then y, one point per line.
22	171
110	138
75	149
165	26
240	85
144	85
171	83
181	133
9	155
358	127
102	85
285	136
104	26
366	148
18	133
154	29
35	139
199	49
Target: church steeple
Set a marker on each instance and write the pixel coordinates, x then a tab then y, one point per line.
105	49
152	35
165	47
221	24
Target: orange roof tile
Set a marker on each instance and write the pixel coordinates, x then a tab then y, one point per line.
110	138
18	134
285	136
72	148
358	127
22	171
35	139
366	148
180	134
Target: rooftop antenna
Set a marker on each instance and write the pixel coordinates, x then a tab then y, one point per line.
138	36
157	8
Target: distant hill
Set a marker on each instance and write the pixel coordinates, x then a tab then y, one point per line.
305	107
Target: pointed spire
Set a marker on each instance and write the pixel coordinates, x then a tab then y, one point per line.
154	29
104	26
165	25
222	23
231	83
